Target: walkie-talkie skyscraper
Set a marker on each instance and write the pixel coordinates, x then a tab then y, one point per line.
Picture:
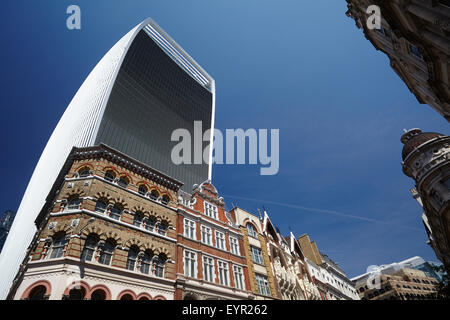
144	88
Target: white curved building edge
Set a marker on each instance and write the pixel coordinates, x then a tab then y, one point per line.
78	127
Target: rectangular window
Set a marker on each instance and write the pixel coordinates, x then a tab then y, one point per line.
263	285
206	235
190	264
208	269
189	229
223	273
220	240
234	246
256	255
238	277
210	210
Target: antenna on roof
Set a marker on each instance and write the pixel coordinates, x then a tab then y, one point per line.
260	216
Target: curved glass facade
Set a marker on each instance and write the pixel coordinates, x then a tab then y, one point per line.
151	97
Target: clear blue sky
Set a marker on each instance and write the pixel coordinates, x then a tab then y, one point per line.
300	66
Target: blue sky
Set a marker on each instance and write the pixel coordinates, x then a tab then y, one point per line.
301	67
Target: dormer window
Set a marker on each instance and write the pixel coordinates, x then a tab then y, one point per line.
210	210
251	230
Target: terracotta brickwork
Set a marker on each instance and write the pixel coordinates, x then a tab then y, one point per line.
205	209
117	205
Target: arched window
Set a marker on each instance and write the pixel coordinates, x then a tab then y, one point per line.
100	206
162	227
107	252
110	176
251	230
126	297
74	203
150	223
154	195
84	172
98	294
76	294
123	182
142	190
37	293
146	262
132	258
115	212
158	265
137	220
90	247
59	243
165	199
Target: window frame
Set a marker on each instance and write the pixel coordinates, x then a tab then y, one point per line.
263	284
208	235
208	265
223	270
190	267
210	210
234	245
239	279
189	228
257	253
59	249
106	257
219	235
254	231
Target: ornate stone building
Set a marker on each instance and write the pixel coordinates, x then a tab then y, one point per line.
293	281
415	35
426	159
107	231
211	261
403	284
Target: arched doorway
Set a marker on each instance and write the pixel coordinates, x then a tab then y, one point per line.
98	294
38	293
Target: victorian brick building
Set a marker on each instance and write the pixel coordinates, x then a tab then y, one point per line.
211	261
107	231
262	280
113	228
